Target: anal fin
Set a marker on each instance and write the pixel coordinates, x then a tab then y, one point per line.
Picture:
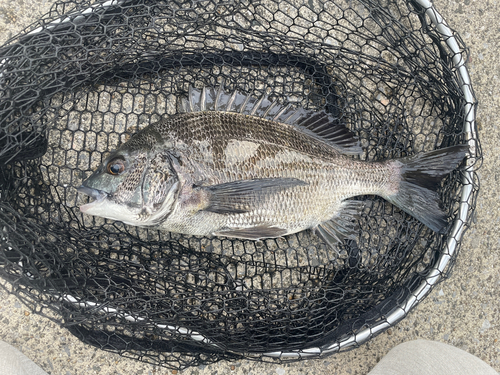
344	225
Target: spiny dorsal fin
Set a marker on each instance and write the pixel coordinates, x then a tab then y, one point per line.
320	125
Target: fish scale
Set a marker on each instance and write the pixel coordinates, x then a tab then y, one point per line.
237	166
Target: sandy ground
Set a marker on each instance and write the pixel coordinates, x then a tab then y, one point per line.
462	311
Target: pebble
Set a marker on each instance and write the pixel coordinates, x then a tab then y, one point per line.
486	325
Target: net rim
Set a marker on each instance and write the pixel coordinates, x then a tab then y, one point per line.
459	226
460	222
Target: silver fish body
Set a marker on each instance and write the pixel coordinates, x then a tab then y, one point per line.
235	166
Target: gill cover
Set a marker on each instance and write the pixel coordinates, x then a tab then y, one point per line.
160	189
136	184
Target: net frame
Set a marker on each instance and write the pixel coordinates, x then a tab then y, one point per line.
393	314
439	267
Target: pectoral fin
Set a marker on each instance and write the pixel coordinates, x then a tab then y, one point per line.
243	196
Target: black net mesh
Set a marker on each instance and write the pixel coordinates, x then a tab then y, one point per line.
88	75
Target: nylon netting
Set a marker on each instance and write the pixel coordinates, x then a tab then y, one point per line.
88	75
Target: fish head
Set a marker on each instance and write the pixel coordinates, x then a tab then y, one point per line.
136	184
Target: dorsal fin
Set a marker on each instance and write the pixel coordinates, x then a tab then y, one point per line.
320	125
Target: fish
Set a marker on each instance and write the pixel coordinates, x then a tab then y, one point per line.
233	165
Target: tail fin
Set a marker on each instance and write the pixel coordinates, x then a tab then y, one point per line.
421	176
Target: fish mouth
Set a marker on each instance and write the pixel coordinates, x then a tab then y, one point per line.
99	196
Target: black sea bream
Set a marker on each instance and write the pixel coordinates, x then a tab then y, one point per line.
236	166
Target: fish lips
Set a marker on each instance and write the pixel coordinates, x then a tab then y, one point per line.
99	196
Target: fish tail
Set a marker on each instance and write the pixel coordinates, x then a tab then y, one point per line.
420	178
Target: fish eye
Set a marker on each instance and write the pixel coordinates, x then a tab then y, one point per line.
115	167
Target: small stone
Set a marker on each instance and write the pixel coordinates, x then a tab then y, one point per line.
280	371
486	325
